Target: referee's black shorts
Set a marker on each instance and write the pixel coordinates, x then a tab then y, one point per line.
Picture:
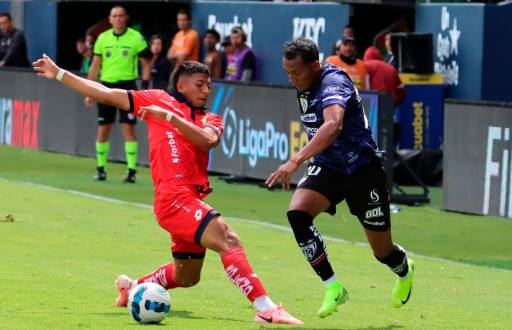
107	113
364	190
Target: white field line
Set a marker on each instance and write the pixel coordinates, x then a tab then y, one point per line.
247	221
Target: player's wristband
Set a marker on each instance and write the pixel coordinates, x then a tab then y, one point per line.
145	84
169	116
60	74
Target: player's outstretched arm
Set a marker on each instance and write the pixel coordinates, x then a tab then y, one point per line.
204	138
326	134
45	67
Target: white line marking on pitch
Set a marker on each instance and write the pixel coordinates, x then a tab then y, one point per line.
247	221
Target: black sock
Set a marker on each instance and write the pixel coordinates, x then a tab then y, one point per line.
311	243
396	260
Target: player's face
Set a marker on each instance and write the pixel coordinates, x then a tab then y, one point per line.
5	24
348	49
156	46
89	41
210	41
195	88
80	47
118	18
236	40
183	22
301	75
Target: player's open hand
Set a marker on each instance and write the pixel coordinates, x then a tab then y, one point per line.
154	110
45	67
283	174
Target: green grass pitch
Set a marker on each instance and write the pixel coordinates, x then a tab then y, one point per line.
59	258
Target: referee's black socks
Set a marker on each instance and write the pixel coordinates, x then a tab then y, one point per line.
311	243
396	260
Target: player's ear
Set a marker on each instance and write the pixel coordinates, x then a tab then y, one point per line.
317	66
180	85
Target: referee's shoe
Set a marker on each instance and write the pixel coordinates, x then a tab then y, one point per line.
130	177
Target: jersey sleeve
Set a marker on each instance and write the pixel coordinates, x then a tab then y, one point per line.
214	121
339	92
142	98
140	44
98	46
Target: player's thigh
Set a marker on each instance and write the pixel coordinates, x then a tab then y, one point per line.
368	198
188	271
309	201
129	120
106	114
219	236
318	191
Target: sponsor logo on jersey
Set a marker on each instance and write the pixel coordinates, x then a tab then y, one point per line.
374	213
308	118
333	89
174	147
374	196
304	104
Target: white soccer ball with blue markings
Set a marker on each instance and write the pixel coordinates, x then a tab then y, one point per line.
149	303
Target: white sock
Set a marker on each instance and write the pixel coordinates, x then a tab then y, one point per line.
330	280
263	303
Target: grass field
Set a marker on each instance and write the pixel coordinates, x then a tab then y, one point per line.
60	256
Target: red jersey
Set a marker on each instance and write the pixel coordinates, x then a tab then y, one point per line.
174	160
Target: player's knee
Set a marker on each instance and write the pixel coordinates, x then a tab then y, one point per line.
232	240
299	220
189	282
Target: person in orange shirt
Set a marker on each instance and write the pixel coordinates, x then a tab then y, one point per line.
347	60
185	45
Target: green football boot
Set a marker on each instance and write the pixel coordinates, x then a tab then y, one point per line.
335	294
403	287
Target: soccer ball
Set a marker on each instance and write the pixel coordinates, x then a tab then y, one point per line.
149	303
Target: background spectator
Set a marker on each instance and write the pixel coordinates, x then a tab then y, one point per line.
242	63
213	58
348	32
383	76
84	48
390	57
185	44
348	61
13	46
227	53
160	66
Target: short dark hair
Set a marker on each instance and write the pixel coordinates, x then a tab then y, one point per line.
214	33
156	36
80	39
4	14
121	7
302	47
185	12
188	68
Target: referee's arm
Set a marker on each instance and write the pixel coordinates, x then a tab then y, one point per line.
117	97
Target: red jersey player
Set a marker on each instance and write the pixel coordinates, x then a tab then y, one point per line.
181	133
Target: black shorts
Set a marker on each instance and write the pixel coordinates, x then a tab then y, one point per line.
107	113
364	190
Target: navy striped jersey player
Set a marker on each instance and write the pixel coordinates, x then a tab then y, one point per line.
354	146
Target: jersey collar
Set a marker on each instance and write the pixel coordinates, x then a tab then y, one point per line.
118	35
182	99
